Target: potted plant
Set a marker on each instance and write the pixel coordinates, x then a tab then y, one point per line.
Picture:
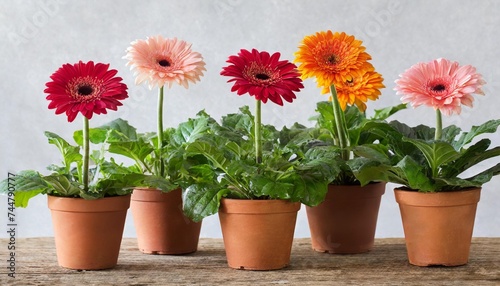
346	221
251	176
88	202
156	204
439	195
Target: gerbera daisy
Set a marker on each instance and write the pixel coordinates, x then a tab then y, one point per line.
330	58
358	88
442	84
87	88
160	61
264	76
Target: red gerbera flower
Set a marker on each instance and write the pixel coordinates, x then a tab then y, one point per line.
264	76
85	88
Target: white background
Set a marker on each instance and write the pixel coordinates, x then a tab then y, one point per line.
39	36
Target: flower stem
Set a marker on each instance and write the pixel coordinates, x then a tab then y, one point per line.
340	124
439	125
86	154
258	135
160	132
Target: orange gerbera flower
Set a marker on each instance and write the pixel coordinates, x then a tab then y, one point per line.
358	88
331	58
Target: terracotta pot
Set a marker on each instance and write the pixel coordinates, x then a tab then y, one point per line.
88	233
258	234
438	226
161	226
345	222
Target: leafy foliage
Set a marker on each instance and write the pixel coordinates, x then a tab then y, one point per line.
227	165
142	149
364	134
421	163
66	179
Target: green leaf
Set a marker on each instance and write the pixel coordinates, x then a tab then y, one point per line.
240	123
70	153
26	184
436	153
314	192
486	175
213	154
325	119
202	173
161	183
487	127
416	175
192	130
384	113
452	184
449	133
470	157
114	131
297	135
117	185
368	170
96	136
137	150
62	186
376	152
122	131
263	186
201	200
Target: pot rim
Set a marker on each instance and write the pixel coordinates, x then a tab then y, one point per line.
451	198
106	204
249	206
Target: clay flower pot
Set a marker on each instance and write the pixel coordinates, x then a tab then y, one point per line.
345	222
438	226
258	234
88	233
161	226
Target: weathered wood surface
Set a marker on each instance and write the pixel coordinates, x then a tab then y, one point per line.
386	264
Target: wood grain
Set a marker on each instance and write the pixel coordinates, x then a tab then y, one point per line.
386	264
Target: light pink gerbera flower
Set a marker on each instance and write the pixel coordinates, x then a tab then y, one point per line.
160	61
442	84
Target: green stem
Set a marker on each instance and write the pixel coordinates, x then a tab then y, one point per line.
340	124
160	132
439	125
86	154
258	135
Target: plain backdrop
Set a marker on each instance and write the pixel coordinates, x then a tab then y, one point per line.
39	36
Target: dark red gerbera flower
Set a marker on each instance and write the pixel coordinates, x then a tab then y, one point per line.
85	88
264	76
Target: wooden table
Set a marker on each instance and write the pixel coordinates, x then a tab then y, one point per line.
386	264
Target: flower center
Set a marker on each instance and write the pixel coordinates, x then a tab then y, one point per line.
262	76
85	90
332	59
439	87
164	63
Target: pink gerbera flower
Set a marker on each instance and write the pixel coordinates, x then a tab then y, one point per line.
160	61
264	76
87	88
442	84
